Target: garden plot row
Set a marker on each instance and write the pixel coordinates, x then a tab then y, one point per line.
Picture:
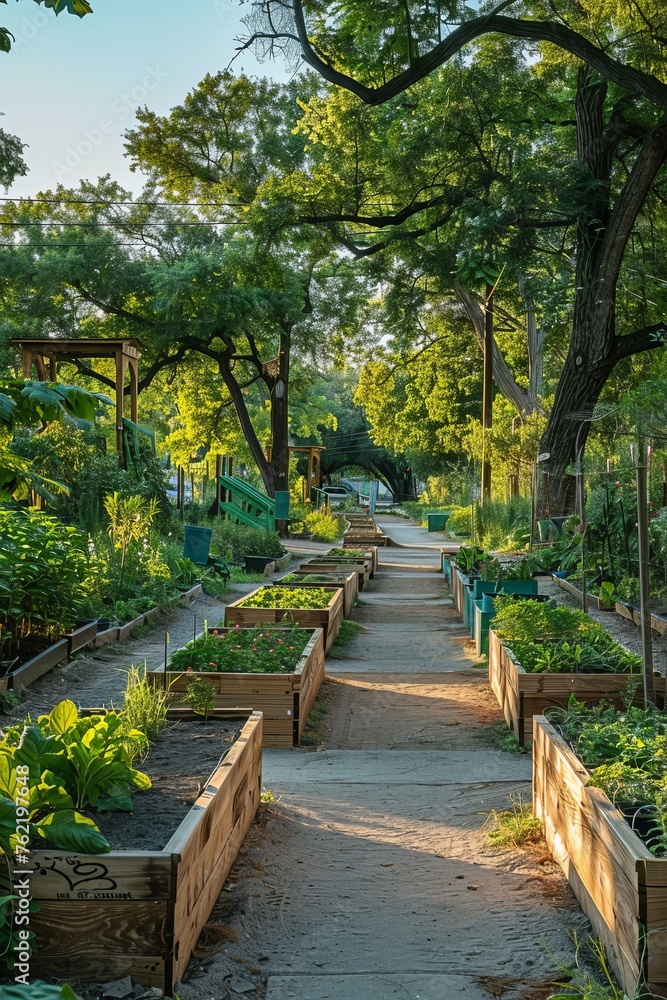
139	912
540	656
598	772
23	675
312	601
620	883
362	530
622	608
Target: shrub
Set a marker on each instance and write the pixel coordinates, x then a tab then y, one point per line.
459	521
241	540
323	526
42	566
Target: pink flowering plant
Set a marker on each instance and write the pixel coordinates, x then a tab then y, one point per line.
244	650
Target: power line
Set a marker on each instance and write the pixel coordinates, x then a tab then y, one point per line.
134	204
112	225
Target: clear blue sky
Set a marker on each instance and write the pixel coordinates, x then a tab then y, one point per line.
70	86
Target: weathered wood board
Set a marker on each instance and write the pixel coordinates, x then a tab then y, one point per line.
139	913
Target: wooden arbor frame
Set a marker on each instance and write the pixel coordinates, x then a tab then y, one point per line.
314	475
125	353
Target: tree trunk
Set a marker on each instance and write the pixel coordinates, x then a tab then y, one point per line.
502	375
602	235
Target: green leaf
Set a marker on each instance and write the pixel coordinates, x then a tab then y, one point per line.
63	717
72	831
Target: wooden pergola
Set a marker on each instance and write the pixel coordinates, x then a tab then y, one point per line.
125	353
314	474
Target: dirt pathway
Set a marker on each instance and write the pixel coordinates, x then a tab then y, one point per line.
371	878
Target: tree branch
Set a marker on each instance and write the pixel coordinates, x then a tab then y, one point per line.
540	31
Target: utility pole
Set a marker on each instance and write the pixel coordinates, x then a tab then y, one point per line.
644	570
487	393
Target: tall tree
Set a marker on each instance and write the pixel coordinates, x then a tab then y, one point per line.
92	262
380	51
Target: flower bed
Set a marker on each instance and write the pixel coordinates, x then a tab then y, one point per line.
621	886
528	666
310	608
278	672
139	913
327	581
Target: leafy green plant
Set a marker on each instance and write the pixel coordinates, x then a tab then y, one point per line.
468	556
43	564
606	594
69	763
288	597
547	639
199	695
348	553
237	650
38	990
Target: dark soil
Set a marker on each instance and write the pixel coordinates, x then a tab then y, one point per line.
179	764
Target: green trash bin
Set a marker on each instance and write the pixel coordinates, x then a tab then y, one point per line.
437	521
197	543
282	499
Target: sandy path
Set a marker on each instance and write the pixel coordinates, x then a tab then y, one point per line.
372	877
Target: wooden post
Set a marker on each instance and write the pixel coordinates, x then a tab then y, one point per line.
218	486
26	356
120	402
644	570
487	393
133	365
53	369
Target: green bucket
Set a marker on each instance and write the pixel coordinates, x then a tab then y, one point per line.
197	543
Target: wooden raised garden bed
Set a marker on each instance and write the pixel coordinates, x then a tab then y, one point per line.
284	700
140	913
329	619
621	886
523	695
349	582
362	538
338	566
370	552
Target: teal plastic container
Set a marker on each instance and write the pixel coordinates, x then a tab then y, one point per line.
526	587
197	543
282	505
437	521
